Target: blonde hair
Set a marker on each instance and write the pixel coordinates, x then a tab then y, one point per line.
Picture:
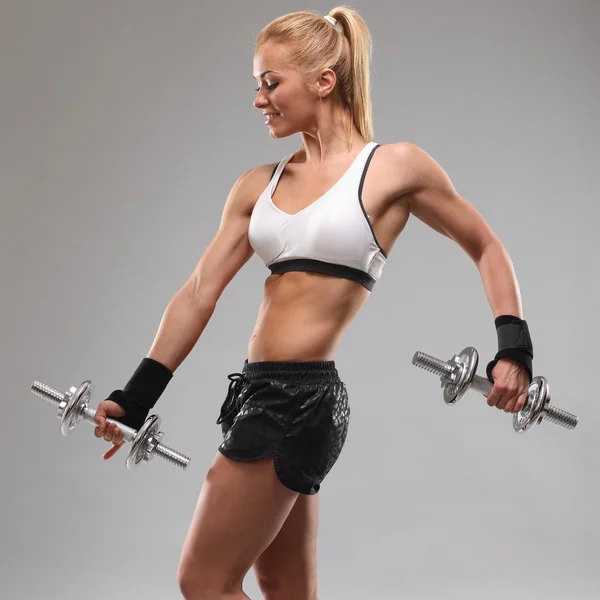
315	44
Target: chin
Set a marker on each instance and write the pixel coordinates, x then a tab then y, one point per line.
280	134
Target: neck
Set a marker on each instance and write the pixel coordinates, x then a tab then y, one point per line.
327	141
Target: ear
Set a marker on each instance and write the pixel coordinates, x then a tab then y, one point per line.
326	83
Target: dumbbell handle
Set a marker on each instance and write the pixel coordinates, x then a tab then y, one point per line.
444	369
484	386
480	384
55	397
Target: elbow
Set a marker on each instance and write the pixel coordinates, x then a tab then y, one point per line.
491	246
201	296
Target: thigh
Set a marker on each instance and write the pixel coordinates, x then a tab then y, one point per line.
288	567
314	441
240	510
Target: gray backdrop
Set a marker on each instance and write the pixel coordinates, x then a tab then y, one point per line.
124	125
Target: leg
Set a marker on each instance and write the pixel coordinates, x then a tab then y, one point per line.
287	569
240	510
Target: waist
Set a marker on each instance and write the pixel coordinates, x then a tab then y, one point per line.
286	340
302	317
292	371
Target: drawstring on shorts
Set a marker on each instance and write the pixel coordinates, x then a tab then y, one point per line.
236	381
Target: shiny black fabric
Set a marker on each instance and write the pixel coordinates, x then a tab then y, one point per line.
297	412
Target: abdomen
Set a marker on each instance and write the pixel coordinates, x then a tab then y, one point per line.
303	316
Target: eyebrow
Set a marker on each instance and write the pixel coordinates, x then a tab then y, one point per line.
264	73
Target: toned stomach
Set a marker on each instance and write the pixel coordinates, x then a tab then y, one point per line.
303	316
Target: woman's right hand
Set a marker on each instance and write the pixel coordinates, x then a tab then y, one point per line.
109	431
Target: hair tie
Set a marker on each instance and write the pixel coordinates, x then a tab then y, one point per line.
334	23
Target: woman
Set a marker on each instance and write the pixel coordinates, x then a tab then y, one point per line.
324	220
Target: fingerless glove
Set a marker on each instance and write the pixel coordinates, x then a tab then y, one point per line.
514	342
141	392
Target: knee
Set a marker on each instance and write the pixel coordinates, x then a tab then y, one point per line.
271	589
198	583
194	584
278	588
190	585
193	589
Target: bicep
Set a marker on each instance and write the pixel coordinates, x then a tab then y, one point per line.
229	250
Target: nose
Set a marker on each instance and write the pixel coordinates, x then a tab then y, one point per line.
260	101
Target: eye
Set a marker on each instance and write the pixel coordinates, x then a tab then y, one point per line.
269	87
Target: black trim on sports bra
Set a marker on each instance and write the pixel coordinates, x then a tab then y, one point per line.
360	188
319	266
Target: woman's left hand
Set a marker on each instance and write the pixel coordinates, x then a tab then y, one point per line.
511	385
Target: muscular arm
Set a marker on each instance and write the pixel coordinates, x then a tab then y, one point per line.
188	313
434	200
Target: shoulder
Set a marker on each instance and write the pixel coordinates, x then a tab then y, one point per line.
255	177
403	151
249	186
412	167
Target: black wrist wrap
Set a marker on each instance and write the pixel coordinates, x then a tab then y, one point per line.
514	342
141	392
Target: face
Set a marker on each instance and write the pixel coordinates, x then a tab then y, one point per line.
288	101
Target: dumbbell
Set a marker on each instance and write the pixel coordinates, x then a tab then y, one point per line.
458	375
73	406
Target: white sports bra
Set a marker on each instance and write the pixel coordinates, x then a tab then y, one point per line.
332	235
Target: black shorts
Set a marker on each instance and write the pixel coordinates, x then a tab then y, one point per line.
297	412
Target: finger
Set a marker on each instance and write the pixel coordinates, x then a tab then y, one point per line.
100	416
118	436
522	400
510	404
109	434
504	395
112	451
100	420
497	396
502	402
493	397
100	430
113	433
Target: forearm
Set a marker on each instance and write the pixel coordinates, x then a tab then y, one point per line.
499	281
181	326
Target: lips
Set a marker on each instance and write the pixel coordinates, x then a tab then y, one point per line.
271	117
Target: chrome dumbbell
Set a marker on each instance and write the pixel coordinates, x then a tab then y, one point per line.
458	375
73	406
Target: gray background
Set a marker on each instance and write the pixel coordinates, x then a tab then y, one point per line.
123	126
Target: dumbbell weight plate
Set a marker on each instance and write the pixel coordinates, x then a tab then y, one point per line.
468	360
71	411
141	447
532	413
